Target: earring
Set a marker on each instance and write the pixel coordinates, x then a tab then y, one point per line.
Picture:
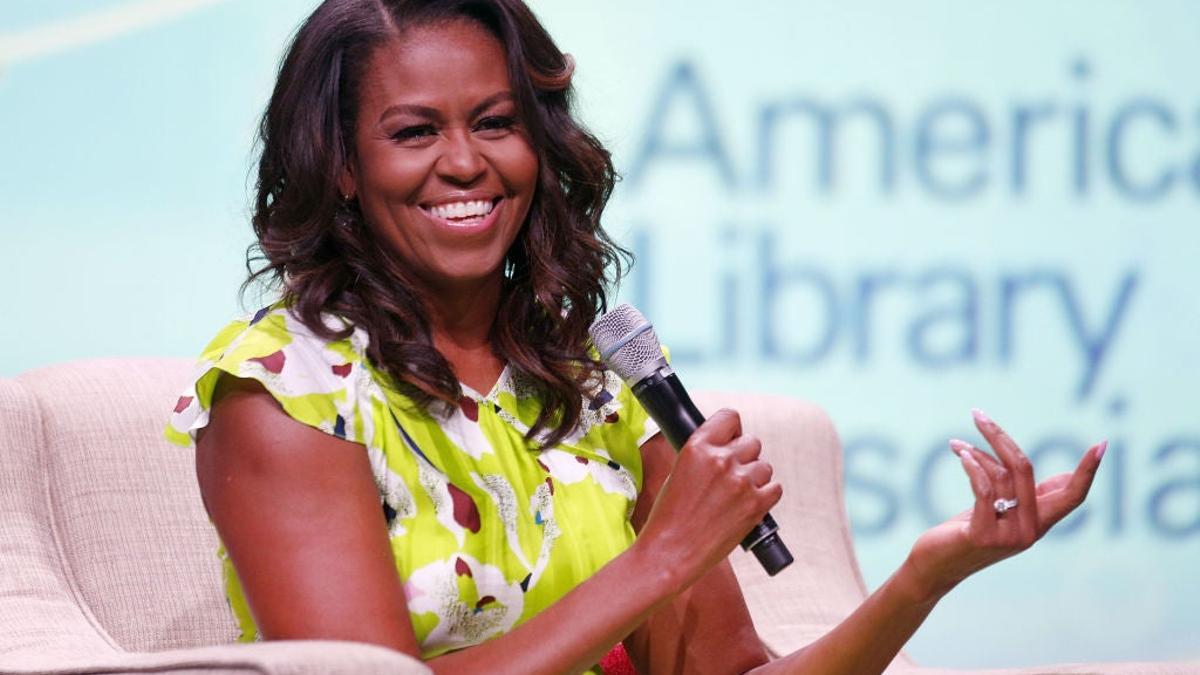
344	218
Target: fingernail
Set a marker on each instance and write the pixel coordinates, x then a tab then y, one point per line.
1101	450
980	416
958	446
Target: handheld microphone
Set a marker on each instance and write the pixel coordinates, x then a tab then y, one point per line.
629	347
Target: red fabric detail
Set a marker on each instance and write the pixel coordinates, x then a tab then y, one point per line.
469	407
550	484
612	418
465	511
461	568
616	662
342	370
581	460
272	362
183	403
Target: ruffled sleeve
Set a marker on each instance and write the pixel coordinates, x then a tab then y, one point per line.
314	380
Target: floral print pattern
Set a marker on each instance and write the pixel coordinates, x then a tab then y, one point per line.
487	529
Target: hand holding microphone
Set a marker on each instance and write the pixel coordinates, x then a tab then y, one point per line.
714	457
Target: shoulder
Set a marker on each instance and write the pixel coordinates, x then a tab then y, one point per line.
275	341
314	380
254	438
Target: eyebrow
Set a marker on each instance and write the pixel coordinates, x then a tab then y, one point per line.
433	113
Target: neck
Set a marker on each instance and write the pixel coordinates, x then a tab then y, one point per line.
461	322
461	318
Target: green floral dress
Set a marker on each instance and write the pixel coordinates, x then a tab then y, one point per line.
486	530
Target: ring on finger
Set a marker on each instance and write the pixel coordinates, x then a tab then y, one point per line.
1002	505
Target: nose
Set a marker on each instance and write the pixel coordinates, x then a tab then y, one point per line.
461	162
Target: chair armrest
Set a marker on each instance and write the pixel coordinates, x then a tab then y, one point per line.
1128	668
282	657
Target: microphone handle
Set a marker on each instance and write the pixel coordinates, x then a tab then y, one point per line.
666	401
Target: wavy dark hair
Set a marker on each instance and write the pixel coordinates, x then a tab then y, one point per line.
557	272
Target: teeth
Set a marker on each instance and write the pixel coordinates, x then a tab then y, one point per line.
471	209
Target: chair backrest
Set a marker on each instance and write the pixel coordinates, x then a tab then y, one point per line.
824	584
102	517
38	613
102	521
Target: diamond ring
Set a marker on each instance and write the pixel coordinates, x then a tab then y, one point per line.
1002	505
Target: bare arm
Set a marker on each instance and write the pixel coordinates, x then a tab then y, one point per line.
868	639
705	629
708	629
299	514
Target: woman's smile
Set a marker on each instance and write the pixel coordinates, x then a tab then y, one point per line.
464	214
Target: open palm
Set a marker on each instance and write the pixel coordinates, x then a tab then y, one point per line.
1010	513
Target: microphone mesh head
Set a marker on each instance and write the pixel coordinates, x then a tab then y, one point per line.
627	343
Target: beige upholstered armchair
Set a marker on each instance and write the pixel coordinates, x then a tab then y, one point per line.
107	560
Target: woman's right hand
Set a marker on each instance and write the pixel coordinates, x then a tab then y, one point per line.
719	488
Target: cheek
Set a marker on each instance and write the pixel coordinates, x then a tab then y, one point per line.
387	189
531	171
396	177
521	164
386	174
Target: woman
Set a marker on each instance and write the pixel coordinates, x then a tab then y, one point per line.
431	211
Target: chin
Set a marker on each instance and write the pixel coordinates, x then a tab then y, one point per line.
469	274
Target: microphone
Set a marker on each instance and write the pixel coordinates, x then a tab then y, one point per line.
629	347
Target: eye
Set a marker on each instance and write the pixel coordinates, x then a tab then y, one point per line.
414	133
495	125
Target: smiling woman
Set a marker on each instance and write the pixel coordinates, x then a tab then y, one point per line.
414	447
385	114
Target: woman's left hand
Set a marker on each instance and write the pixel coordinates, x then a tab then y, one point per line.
1011	512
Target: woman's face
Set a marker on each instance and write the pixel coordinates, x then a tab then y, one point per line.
443	172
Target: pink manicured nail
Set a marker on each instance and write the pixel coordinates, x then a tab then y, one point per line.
1101	450
958	446
980	416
